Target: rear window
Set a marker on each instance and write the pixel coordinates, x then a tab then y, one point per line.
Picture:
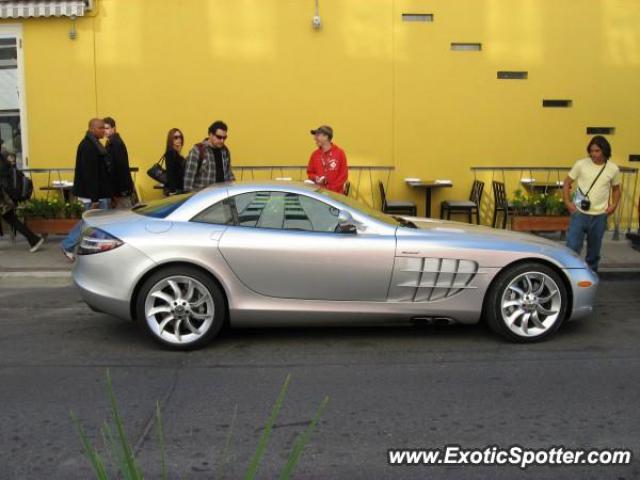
162	208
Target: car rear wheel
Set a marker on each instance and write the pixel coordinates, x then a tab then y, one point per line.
527	302
181	307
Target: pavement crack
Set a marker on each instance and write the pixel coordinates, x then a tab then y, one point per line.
151	421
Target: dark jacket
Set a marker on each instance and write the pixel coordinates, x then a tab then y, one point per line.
175	171
91	178
121	182
6	203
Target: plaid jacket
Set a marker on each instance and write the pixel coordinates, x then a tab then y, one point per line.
195	178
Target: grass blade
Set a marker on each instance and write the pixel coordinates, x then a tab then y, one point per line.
110	446
90	451
129	468
227	446
115	450
262	444
301	442
160	434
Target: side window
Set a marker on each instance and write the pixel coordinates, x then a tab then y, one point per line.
286	211
219	214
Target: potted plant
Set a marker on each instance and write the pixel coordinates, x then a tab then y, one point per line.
539	212
50	216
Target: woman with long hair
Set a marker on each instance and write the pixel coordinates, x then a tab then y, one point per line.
174	162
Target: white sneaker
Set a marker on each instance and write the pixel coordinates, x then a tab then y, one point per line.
37	246
70	256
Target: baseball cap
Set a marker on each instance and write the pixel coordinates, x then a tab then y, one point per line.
326	129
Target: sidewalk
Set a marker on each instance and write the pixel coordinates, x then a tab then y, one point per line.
17	261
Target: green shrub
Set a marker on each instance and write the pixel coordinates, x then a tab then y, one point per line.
50	208
119	447
532	203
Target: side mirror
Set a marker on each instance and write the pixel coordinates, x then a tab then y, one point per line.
346	223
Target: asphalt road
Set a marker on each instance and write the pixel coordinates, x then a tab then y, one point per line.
388	388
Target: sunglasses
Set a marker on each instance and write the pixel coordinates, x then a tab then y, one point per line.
220	137
176	137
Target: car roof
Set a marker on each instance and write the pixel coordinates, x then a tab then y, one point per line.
243	186
214	193
265	184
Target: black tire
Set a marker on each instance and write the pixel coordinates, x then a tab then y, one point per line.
211	286
493	312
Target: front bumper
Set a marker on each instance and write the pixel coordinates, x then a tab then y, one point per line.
583	297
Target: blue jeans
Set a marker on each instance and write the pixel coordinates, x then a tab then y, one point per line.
72	240
593	226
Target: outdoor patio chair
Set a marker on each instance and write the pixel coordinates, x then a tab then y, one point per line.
399	207
501	204
469	207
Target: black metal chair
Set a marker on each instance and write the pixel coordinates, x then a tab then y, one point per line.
501	204
471	206
399	207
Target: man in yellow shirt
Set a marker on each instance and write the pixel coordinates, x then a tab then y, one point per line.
596	197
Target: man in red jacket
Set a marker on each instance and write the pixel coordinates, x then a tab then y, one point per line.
328	164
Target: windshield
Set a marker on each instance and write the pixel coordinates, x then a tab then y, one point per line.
361	207
161	208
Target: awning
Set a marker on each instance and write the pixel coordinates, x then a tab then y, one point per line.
42	8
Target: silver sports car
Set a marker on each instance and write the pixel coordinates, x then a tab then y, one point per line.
288	253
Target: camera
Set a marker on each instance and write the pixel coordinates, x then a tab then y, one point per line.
585	204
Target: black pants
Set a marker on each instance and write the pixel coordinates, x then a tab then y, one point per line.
11	219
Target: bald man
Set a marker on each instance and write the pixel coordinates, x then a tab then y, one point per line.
91	183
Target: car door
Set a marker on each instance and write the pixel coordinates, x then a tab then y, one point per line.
285	245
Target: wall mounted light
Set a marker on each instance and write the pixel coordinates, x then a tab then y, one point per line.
317	21
73	33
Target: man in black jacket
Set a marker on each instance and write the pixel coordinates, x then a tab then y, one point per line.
121	182
91	183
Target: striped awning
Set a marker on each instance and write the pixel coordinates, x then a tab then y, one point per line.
43	8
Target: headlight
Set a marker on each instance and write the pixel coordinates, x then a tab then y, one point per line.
95	240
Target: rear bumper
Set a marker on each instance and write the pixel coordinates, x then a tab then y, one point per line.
583	297
105	304
106	280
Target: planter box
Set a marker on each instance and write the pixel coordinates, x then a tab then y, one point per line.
540	223
51	226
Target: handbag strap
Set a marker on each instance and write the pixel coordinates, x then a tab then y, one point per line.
594	180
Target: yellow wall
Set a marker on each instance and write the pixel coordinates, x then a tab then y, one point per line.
394	91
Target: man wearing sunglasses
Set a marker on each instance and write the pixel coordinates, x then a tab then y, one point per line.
209	162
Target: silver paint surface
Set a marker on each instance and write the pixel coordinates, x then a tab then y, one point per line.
381	274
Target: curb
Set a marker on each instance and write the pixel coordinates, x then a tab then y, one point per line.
617	274
35	274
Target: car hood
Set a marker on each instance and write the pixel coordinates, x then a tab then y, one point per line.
447	226
464	235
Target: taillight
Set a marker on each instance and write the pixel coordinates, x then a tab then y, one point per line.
95	240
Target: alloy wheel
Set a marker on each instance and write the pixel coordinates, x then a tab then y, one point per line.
531	304
179	309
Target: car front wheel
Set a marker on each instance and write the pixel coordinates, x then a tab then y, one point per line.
527	302
180	307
